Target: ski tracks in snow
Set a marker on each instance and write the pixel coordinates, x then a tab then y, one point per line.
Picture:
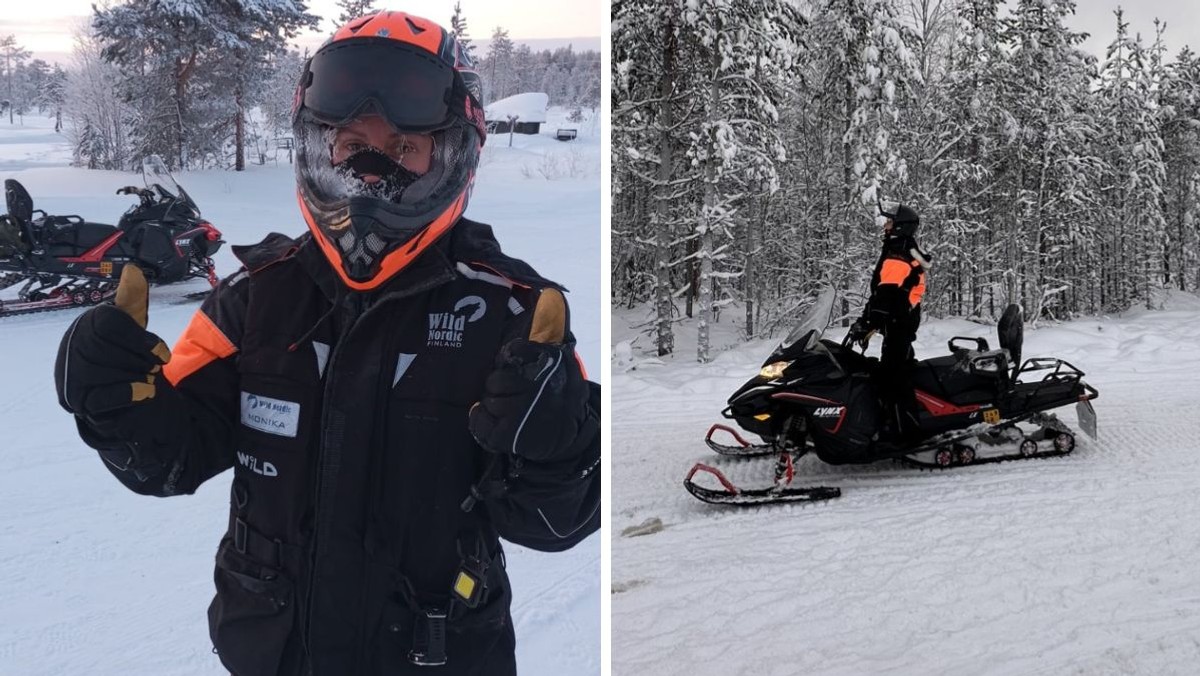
1081	564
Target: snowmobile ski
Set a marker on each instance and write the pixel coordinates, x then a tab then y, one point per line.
782	491
743	449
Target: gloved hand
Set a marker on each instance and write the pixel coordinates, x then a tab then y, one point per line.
860	333
534	404
108	361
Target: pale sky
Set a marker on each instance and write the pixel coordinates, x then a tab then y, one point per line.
44	26
1096	17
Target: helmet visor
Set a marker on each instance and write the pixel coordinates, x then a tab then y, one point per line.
410	87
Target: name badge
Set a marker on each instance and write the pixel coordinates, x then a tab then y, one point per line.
273	416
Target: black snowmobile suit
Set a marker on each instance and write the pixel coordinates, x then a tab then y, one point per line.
897	286
344	416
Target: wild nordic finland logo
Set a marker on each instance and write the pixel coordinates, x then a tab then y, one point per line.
273	416
446	328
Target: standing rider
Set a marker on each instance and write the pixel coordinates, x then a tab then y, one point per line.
894	309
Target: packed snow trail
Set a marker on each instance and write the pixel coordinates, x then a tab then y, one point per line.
97	580
1083	564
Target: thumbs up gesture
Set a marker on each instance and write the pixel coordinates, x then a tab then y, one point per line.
107	360
535	400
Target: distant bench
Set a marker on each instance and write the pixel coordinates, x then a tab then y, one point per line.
566	134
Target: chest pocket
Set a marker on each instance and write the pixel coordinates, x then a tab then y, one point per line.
279	412
447	359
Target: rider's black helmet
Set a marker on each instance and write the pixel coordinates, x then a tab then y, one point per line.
905	220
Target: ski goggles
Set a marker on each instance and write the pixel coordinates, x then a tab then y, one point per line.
412	88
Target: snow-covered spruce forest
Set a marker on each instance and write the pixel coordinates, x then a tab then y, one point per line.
753	138
210	83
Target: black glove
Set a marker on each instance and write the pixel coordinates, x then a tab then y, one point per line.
107	361
534	404
860	332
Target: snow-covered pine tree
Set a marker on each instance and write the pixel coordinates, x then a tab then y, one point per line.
745	53
51	94
1181	143
866	64
352	9
1049	168
168	48
646	98
496	69
957	131
1134	172
96	114
254	32
12	55
458	25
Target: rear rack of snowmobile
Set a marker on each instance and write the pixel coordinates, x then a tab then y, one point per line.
1058	372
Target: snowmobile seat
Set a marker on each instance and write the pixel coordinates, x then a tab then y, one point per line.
951	378
79	235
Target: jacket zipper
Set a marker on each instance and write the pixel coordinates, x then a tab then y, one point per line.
431	283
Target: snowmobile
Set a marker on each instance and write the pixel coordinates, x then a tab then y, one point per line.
66	261
974	405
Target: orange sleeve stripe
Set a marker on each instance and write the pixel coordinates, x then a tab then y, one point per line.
917	293
201	344
894	272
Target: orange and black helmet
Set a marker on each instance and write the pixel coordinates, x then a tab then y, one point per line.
413	73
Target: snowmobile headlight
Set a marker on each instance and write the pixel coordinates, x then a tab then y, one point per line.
773	370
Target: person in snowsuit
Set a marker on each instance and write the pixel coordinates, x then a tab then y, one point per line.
393	392
894	309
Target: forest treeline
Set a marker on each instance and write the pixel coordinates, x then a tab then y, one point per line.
210	83
752	140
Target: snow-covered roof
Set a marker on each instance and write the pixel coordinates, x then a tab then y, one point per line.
528	107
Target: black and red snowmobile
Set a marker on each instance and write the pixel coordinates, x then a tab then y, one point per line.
65	261
974	405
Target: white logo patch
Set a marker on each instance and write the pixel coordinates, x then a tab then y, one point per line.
273	416
255	465
446	328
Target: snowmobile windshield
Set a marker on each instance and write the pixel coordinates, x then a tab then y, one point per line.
808	331
157	178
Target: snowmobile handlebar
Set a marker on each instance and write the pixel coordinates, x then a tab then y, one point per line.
144	193
862	344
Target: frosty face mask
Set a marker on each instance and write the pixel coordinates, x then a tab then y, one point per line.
372	173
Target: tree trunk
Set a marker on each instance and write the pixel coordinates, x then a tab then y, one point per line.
239	132
664	308
709	218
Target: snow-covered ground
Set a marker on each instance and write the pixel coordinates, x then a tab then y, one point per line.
97	580
1084	564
